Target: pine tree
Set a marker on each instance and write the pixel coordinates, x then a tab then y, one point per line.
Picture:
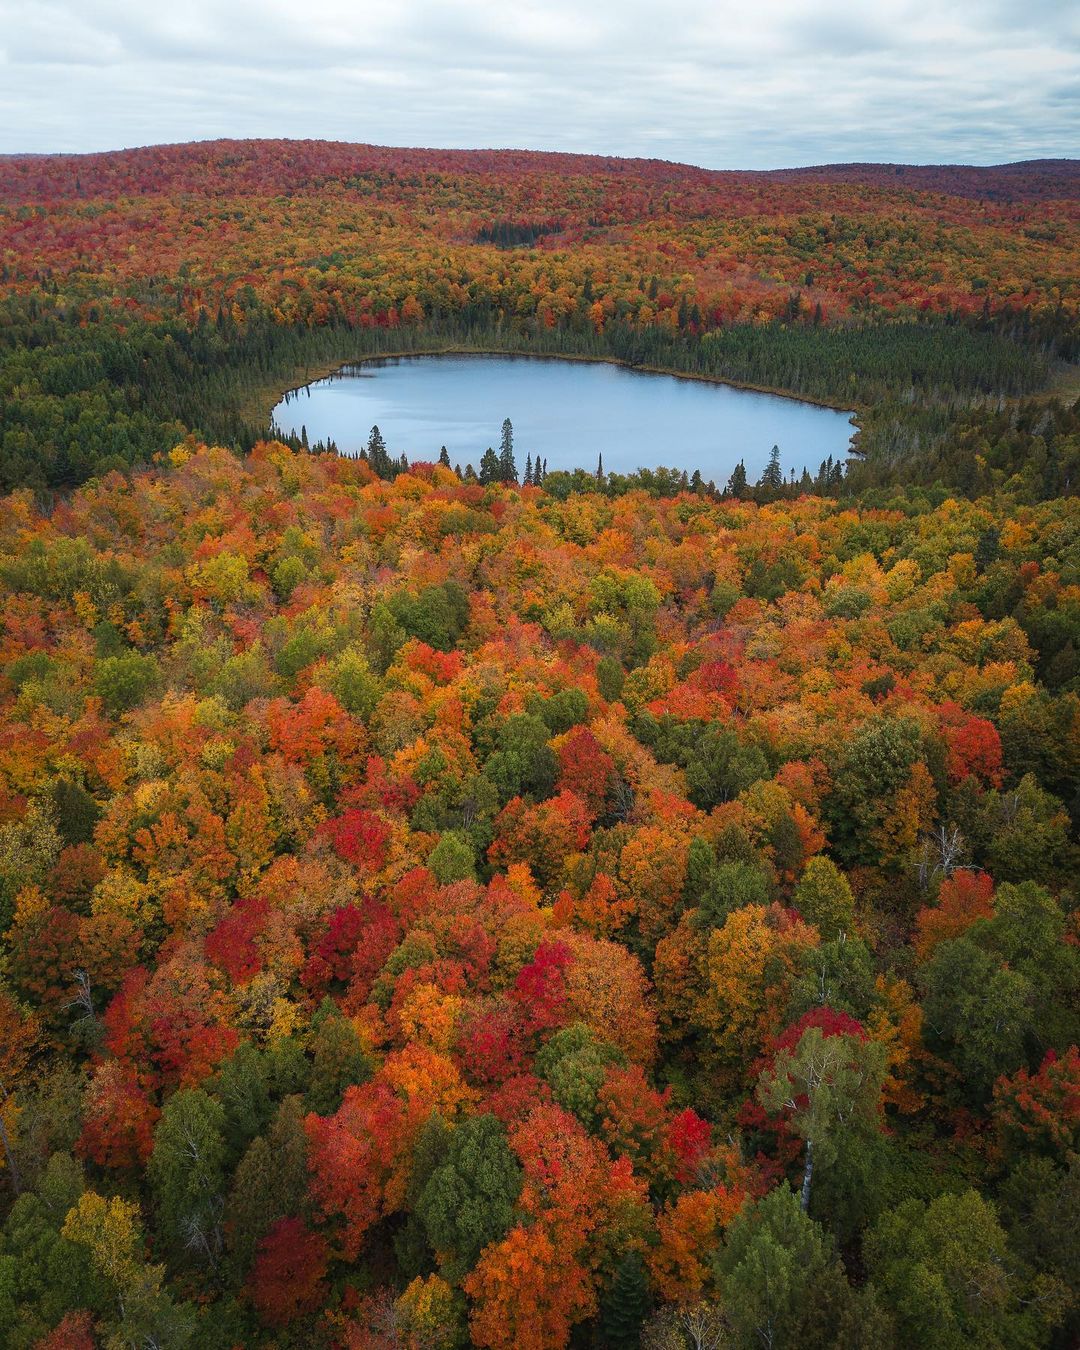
444	457
507	468
600	471
528	470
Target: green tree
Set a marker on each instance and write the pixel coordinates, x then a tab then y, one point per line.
507	467
874	764
574	1064
270	1183
125	682
823	897
377	455
241	1086
944	1271
829	1086
490	468
781	1283
737	483
452	858
186	1172
625	1304
468	1201
338	1059
772	477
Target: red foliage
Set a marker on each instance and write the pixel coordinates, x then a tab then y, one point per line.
118	1121
489	1045
43	955
540	987
232	945
964	899
350	1158
828	1020
1042	1110
690	1140
585	769
332	958
75	1331
542	835
360	837
287	1278
973	746
75	873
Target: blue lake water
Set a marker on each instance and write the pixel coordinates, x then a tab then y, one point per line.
567	412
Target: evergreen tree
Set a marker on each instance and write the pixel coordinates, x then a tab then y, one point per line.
377	455
444	457
625	1304
507	468
528	470
772	479
468	1201
737	482
490	467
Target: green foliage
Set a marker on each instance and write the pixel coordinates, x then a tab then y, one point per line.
186	1172
468	1200
942	1269
125	682
452	858
573	1063
437	615
823	897
781	1282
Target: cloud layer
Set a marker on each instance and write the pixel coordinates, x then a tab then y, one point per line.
722	84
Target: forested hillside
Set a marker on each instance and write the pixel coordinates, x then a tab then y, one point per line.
184	286
596	913
436	911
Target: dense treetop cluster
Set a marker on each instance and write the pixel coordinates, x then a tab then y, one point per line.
438	914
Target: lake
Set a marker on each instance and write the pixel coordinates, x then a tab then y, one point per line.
567	412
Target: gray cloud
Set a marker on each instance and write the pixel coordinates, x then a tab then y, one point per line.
712	82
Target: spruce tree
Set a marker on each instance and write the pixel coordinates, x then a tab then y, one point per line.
528	470
490	467
773	476
444	457
507	468
625	1304
737	482
377	455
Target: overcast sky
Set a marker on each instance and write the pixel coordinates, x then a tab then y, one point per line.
755	84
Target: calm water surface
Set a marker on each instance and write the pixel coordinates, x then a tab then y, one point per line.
567	412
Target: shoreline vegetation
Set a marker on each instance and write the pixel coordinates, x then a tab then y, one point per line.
461	349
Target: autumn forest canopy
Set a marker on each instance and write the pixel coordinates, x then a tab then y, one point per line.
443	910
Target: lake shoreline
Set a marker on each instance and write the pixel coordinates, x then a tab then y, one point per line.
324	369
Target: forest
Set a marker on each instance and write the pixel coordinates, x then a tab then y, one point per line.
179	288
589	912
